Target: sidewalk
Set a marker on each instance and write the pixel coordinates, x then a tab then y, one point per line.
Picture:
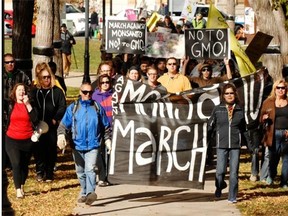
75	79
140	200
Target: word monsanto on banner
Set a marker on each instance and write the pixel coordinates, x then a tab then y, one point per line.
161	139
125	37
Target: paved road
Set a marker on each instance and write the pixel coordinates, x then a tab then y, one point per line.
140	200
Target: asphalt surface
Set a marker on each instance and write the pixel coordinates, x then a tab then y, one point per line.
142	200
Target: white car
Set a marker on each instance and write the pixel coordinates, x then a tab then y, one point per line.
76	17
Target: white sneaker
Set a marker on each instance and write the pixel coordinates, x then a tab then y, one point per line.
253	178
102	183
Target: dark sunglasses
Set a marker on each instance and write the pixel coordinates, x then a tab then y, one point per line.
9	62
105	82
46	77
172	63
281	87
229	93
205	69
85	92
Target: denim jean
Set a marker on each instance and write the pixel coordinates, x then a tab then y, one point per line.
85	162
254	149
264	172
279	149
221	169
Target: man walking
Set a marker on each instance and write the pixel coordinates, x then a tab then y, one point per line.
89	125
67	42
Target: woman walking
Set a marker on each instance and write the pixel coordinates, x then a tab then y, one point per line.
21	121
228	121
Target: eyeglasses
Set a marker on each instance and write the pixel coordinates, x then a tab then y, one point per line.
205	69
9	62
171	63
281	87
229	93
46	77
85	92
151	74
105	82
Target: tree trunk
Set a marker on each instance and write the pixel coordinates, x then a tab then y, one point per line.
56	37
21	38
272	23
231	14
43	49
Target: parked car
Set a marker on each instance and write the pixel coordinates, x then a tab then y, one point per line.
77	18
8	23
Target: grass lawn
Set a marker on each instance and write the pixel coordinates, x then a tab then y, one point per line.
59	197
79	50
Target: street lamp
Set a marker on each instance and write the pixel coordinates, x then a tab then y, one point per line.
86	76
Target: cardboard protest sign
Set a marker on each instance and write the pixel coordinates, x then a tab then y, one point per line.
124	36
161	139
207	43
258	46
130	14
165	45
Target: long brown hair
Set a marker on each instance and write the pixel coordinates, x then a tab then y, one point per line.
41	66
13	92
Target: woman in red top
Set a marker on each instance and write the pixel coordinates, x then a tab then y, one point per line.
22	117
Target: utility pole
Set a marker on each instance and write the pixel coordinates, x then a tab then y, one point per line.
86	77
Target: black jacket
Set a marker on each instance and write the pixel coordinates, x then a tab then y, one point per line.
228	133
50	103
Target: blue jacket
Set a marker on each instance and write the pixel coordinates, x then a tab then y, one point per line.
88	126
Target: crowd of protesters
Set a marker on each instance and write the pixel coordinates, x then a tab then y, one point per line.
90	117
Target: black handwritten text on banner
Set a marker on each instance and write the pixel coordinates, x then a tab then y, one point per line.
125	36
161	139
207	43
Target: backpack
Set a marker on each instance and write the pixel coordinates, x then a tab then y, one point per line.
69	134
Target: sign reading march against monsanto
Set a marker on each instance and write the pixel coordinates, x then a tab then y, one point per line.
125	37
161	139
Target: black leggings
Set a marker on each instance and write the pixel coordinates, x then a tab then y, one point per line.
19	152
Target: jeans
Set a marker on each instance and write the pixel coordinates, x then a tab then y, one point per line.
85	164
264	172
254	149
221	168
279	149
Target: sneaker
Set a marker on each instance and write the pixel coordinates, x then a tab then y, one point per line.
19	194
92	197
269	180
218	193
82	199
253	178
103	183
39	177
232	201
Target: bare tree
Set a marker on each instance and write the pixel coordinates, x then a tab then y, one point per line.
21	37
272	22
